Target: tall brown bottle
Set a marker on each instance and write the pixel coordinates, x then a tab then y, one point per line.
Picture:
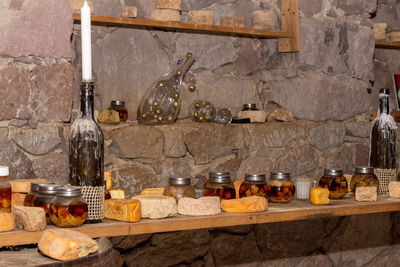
86	155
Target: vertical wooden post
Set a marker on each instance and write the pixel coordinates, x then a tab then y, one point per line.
290	23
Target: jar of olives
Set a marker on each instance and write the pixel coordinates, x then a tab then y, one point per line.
282	189
334	180
254	185
43	198
179	187
364	176
68	208
33	192
219	184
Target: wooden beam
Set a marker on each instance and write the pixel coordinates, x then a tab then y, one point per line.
387	44
290	23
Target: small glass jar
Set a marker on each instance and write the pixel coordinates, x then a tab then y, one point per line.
33	192
5	190
43	198
179	188
282	187
254	185
119	106
220	185
364	176
247	107
334	180
68	208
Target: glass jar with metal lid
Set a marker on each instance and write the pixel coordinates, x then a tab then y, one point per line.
68	208
179	187
247	107
282	189
220	185
5	190
43	198
119	106
334	180
254	185
364	176
33	192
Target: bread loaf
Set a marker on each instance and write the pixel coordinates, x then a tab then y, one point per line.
246	204
152	191
6	222
165	15
64	244
319	196
201	17
126	210
169	4
117	193
24	185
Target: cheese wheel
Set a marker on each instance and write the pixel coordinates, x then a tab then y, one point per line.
394	189
117	193
24	185
165	15
246	204
236	22
152	191
169	4
201	17
126	210
319	196
64	244
6	222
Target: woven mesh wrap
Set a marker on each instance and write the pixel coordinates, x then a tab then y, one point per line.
94	197
385	176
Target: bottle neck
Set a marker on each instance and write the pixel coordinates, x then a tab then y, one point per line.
87	100
383	104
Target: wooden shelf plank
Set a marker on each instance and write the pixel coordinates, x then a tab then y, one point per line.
296	210
387	44
183	27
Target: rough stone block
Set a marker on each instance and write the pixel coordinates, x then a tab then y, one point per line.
157	207
129	11
201	17
325	135
165	15
199	207
236	22
394	189
30	219
169	4
366	193
356	6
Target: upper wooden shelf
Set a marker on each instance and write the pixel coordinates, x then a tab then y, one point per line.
387	44
295	210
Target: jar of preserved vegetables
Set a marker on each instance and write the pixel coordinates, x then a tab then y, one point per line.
334	180
68	209
364	176
43	198
119	106
254	185
219	184
282	188
5	190
179	187
33	192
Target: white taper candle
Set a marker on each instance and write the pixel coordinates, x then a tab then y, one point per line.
86	43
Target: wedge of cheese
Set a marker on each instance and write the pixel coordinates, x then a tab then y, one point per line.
126	210
6	222
319	196
64	244
117	193
246	204
24	185
152	191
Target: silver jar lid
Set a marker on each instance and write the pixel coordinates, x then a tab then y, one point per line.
219	177
35	185
69	191
48	189
117	103
280	175
364	170
333	172
179	181
255	177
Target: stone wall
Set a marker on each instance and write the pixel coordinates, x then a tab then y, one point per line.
330	87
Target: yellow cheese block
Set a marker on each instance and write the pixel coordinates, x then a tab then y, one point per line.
24	185
319	196
108	180
17	199
6	222
117	193
152	191
237	185
126	210
246	204
65	244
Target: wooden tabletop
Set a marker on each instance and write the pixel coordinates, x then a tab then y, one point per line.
295	210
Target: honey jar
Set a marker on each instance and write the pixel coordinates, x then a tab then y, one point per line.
334	180
33	192
68	208
254	185
119	106
219	184
43	198
179	187
364	176
282	189
5	190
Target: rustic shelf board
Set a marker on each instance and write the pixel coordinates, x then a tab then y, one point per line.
387	44
296	210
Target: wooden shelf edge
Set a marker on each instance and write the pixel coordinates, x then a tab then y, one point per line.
181	26
387	44
293	211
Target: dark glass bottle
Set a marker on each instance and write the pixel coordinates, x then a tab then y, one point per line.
86	155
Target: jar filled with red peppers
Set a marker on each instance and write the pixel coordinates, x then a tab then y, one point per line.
5	190
68	208
334	180
43	198
254	185
282	188
33	192
219	184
